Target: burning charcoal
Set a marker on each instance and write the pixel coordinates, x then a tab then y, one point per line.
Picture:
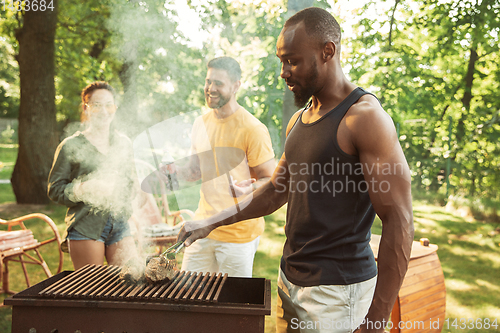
133	271
159	269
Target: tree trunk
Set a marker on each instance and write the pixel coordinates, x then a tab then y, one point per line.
466	101
467	97
288	104
37	110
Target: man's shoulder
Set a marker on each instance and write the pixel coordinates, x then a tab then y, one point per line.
293	120
366	104
202	119
366	111
368	123
248	119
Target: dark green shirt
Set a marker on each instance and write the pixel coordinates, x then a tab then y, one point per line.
77	160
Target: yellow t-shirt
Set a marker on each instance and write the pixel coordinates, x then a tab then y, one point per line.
228	147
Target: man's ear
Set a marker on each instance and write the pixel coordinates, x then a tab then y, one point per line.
329	51
237	86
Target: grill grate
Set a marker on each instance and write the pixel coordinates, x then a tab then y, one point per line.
103	282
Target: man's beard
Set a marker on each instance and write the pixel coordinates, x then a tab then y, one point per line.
223	100
302	96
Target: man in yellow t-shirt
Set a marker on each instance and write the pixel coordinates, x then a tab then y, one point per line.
233	155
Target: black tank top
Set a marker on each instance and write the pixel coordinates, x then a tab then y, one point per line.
329	212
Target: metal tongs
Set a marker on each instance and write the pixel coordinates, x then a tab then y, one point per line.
172	251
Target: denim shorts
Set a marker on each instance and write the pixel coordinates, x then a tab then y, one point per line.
112	233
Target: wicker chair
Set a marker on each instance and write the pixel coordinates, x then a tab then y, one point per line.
16	244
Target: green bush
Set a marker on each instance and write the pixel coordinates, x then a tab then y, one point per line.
8	135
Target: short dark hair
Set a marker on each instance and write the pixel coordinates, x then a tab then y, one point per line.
319	24
231	66
89	90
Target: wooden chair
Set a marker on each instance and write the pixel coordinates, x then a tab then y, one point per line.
156	209
18	241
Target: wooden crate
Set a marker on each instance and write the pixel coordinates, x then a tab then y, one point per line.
421	302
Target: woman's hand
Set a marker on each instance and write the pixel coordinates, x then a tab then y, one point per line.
95	187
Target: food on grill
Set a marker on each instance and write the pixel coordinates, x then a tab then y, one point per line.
133	271
160	269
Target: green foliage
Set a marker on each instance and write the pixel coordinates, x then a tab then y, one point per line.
81	39
9	79
160	75
441	61
8	135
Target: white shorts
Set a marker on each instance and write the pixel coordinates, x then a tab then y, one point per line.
326	308
208	255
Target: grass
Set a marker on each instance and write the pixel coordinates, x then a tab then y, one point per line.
469	251
8	155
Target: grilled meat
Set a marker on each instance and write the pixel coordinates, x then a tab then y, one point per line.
160	269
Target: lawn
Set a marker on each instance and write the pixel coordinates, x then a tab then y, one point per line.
469	251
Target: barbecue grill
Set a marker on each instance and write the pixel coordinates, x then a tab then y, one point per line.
95	299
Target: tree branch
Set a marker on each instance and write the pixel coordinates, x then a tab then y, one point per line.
392	23
77	23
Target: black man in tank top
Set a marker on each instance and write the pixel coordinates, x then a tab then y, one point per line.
342	165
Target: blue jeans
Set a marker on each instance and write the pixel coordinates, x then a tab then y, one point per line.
112	233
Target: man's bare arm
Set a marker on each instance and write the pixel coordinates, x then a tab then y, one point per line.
388	177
